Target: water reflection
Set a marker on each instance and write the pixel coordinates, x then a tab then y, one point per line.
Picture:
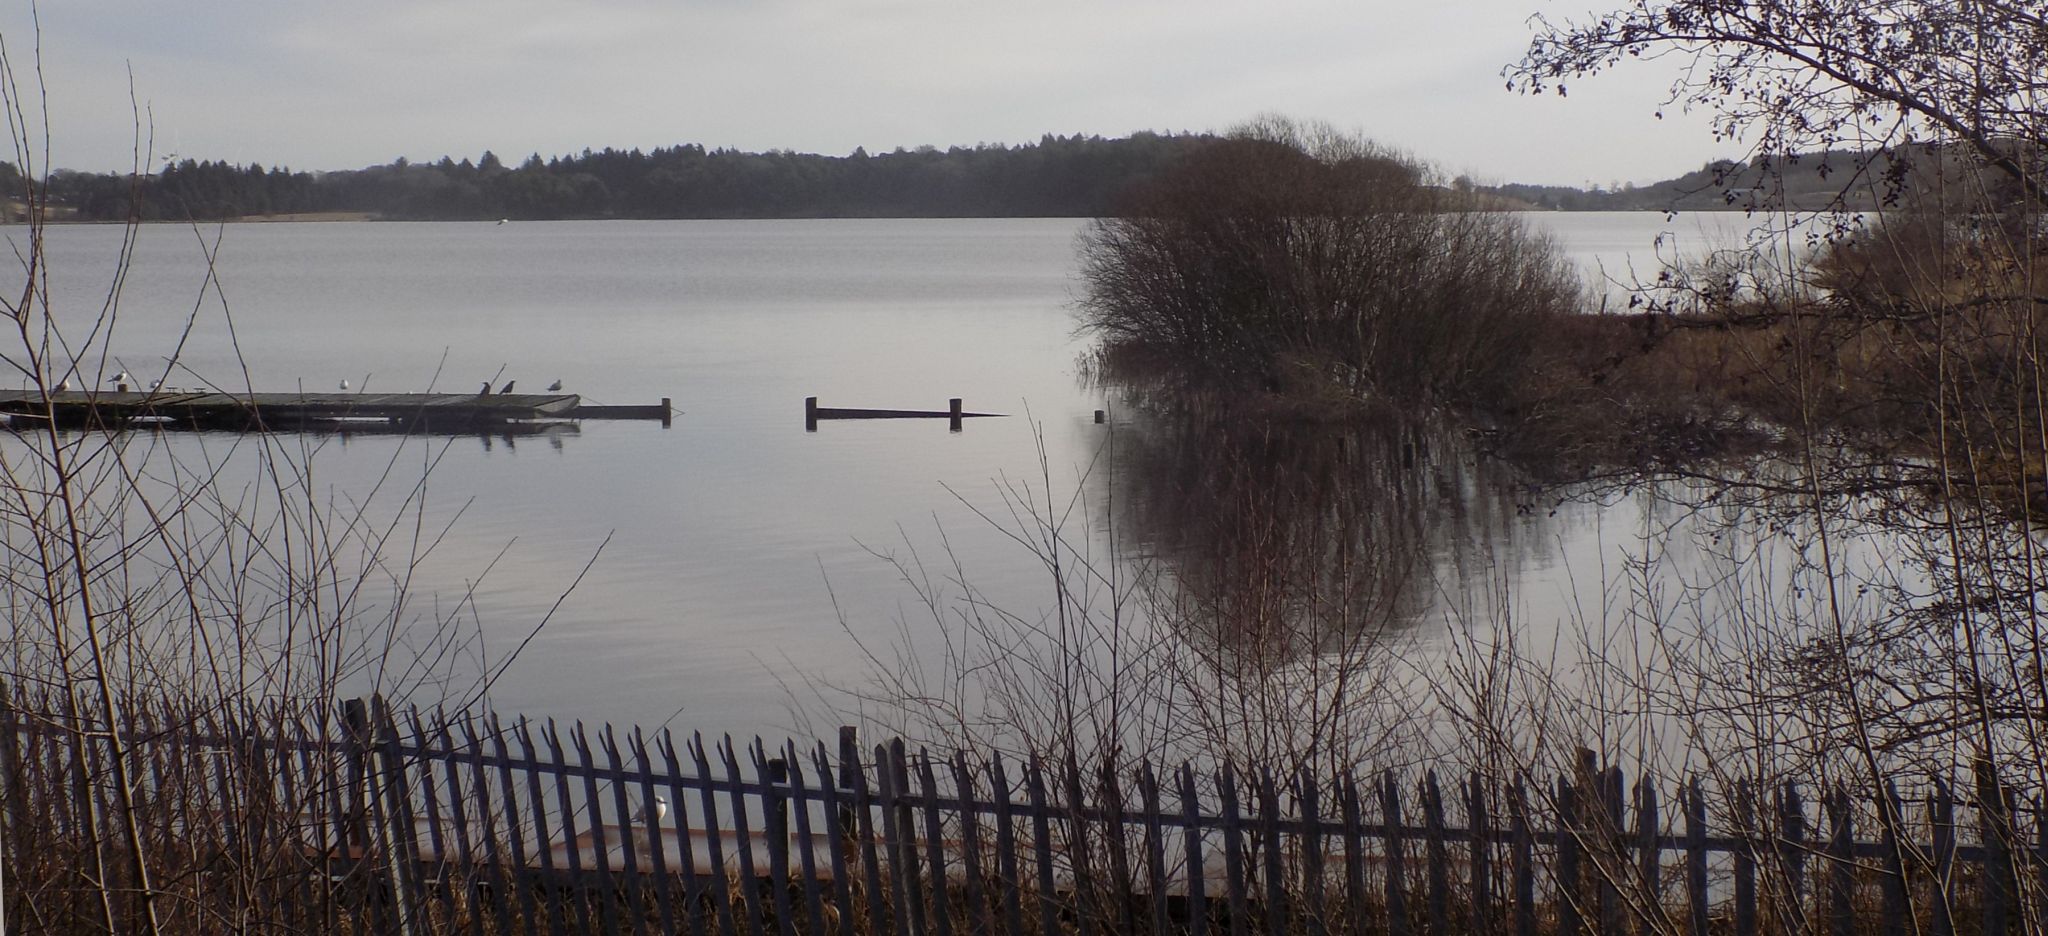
504	436
1299	538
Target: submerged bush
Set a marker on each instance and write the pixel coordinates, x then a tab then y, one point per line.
1301	262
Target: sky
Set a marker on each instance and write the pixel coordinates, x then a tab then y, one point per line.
315	85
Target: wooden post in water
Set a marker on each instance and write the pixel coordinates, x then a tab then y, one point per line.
953	409
668	411
810	414
1099	417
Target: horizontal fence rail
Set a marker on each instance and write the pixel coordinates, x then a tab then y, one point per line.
366	820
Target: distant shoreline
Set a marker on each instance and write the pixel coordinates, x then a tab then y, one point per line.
323	217
309	216
327	217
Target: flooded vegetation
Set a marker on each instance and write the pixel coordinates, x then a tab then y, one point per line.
1317	270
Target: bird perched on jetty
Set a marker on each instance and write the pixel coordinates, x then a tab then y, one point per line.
555	387
344	383
64	385
507	388
659	809
119	378
486	391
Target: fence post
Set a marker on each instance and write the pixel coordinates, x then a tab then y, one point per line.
404	833
1696	857
1354	852
365	762
1570	908
1275	867
2040	850
1792	855
1397	874
1314	909
1841	860
1745	859
1234	868
775	813
775	819
1079	855
1436	854
1612	862
1522	859
2000	880
1891	817
1650	857
1942	815
849	769
11	780
1482	854
897	761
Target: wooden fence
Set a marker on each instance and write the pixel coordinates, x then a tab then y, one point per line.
362	821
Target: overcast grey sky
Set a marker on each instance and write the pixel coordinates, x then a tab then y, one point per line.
344	85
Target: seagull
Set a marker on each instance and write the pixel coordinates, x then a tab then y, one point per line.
507	388
155	384
64	385
344	383
119	378
555	387
660	812
486	391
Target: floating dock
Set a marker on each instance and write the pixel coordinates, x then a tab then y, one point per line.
421	412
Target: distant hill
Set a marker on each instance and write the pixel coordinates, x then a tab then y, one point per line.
1072	176
1058	176
1840	179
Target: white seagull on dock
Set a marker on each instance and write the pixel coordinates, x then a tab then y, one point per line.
555	387
660	811
344	383
119	378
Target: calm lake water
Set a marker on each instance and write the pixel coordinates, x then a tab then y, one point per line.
741	576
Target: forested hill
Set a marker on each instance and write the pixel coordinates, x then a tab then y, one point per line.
1076	176
1816	181
1055	177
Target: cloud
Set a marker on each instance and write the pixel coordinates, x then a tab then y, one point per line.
340	86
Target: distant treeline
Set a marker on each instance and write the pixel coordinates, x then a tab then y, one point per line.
1058	176
1815	181
1070	176
1720	184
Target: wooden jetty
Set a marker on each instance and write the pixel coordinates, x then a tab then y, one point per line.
813	413
181	409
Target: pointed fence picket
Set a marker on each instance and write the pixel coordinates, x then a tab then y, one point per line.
369	820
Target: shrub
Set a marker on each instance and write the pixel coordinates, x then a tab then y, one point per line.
1296	261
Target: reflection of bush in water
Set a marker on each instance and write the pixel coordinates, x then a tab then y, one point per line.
1293	537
